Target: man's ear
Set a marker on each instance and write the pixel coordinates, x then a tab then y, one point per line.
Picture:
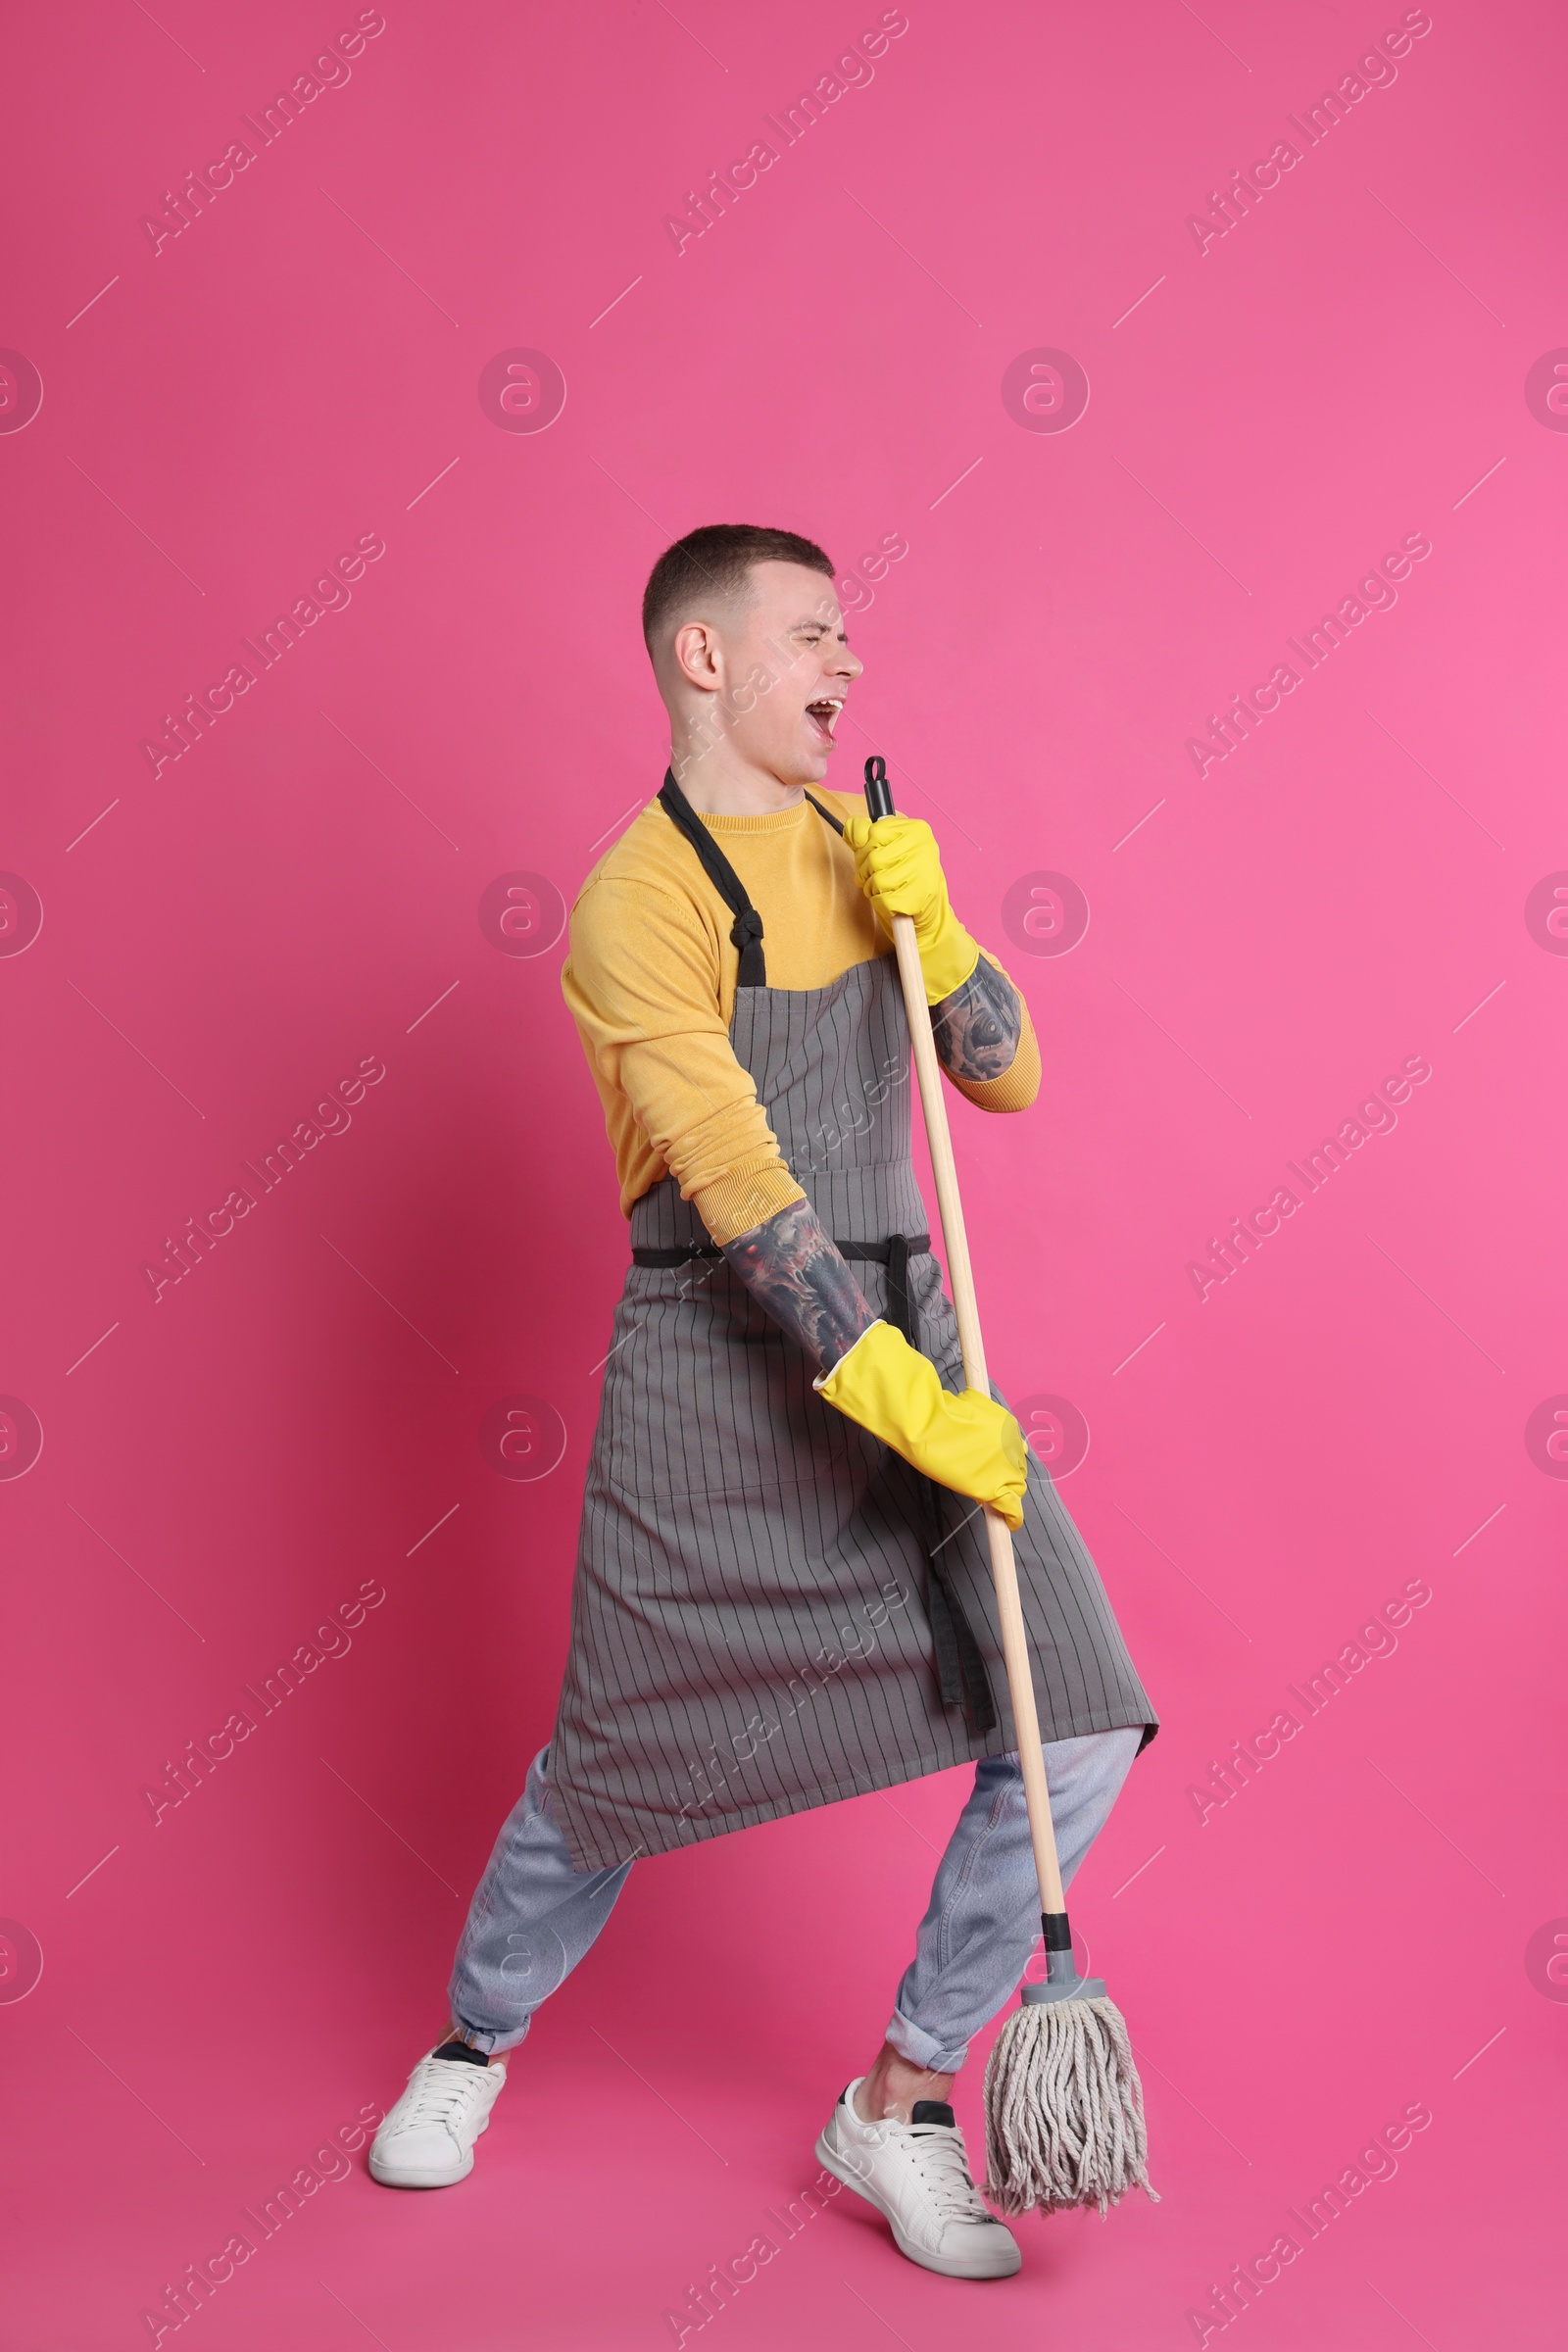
695	655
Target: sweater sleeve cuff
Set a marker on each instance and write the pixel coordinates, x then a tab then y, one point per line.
1014	1090
1019	1084
743	1198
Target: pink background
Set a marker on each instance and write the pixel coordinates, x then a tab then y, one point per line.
300	891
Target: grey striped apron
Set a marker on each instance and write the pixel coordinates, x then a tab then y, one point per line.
771	1609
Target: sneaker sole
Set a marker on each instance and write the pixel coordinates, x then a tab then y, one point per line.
828	2156
421	2179
429	2178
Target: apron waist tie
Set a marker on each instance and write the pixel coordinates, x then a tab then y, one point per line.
962	1676
960	1669
875	1254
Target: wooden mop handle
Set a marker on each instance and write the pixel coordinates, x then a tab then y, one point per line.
960	1276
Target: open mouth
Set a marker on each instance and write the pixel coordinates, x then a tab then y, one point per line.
823	715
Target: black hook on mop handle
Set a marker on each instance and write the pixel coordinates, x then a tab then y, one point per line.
878	796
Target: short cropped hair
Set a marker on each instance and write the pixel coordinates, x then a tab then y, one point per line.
714	562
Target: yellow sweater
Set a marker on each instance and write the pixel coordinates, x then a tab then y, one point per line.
650	982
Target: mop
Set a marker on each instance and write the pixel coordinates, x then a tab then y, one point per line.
1064	2108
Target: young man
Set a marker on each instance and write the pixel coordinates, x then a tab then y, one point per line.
782	1592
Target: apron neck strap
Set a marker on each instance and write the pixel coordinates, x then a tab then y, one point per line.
746	932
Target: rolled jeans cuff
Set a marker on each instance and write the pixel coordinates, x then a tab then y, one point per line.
922	2049
494	2045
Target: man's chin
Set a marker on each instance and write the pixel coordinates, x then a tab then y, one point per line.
801	767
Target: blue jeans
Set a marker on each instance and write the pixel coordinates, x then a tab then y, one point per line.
534	1916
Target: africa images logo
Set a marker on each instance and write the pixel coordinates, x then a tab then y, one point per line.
522	1437
522	914
521	390
21	1960
1546	1437
20	391
1044	913
21	914
1045	390
21	1437
1545	390
1055	1432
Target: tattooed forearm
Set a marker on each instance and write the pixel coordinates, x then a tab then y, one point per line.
978	1027
790	1267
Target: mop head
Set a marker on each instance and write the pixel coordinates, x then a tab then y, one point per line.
1064	2109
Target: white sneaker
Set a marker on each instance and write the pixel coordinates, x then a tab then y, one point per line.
918	2175
427	2139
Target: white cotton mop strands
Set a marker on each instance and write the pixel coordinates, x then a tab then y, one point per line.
1064	2108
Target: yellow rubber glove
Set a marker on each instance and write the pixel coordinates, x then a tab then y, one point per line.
898	866
969	1443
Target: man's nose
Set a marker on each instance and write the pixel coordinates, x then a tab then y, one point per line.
846	664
